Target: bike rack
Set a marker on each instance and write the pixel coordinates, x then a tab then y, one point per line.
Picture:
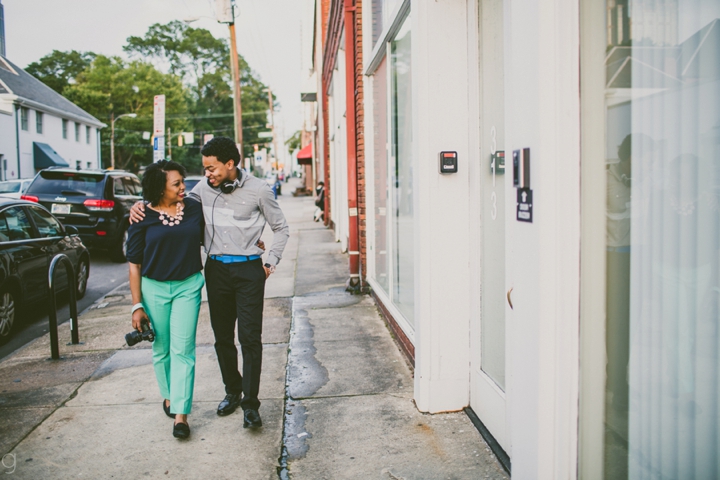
54	350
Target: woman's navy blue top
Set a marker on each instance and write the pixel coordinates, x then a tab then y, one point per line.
168	252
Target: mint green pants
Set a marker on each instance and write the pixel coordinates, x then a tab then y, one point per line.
173	308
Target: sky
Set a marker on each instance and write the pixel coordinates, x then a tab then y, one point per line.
268	36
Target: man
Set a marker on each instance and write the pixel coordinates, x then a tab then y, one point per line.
236	206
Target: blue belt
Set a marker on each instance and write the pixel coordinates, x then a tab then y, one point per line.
235	258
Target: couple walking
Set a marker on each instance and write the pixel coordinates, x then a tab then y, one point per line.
226	214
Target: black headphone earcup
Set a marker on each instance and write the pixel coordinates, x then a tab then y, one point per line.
227	187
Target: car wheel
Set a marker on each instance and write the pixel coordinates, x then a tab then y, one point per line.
119	252
83	271
7	314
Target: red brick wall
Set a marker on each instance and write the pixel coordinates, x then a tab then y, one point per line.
360	129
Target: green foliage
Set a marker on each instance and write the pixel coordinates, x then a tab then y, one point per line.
112	87
293	143
197	83
203	61
58	69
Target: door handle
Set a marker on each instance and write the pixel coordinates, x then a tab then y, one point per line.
509	299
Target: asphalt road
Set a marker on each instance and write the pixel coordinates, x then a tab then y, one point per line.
33	322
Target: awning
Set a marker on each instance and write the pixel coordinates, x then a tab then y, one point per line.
44	156
304	156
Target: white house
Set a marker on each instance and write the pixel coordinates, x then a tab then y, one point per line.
40	128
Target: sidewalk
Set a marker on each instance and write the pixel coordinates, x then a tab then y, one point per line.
336	393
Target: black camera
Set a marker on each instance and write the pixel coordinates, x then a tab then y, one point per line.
146	334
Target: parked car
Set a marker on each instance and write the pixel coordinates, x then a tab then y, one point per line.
96	202
191	181
29	238
14	188
272	180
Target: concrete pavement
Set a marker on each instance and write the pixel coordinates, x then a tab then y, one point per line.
336	393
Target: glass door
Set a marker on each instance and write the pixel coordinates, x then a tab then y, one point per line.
488	369
661	169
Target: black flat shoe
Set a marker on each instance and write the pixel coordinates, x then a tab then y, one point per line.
228	405
166	409
252	419
181	430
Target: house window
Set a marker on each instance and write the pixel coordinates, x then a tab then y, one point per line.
24	118
77	132
39	122
78	164
64	128
87	134
89	165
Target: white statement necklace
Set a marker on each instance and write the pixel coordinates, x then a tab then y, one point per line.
171	220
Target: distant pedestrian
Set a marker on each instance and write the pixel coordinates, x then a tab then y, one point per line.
320	202
165	282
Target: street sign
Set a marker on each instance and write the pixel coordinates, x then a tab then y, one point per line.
159	116
524	205
265	135
158	148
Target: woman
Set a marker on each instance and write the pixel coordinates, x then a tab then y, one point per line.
165	281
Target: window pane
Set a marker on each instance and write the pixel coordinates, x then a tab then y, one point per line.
18	224
64	128
24	118
662	237
87	134
47	225
402	173
380	135
39	122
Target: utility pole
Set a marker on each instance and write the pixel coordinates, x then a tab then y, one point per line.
169	144
236	81
272	125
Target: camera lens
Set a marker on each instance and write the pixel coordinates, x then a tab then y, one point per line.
132	338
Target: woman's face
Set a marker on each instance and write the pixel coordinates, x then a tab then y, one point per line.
174	187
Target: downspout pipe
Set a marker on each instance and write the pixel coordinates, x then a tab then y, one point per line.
17	137
354	283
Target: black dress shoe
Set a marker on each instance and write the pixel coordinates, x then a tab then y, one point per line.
252	419
166	409
181	430
228	405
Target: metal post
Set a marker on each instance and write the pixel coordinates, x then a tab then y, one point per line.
112	141
70	270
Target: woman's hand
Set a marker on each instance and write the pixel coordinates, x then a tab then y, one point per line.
138	317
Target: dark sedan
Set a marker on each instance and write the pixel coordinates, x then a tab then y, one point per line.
29	239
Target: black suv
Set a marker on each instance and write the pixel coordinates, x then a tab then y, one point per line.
96	202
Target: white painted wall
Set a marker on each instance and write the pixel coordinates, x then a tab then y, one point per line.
542	113
338	153
440	116
69	149
7	141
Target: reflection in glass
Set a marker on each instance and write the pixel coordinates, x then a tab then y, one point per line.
662	409
380	135
402	173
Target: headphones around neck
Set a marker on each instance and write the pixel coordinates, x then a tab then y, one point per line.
227	187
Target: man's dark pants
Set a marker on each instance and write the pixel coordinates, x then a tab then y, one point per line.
235	295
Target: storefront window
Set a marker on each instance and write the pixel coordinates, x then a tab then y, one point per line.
662	94
381	13
380	135
402	172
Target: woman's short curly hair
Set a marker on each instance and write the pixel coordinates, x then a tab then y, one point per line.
224	148
155	179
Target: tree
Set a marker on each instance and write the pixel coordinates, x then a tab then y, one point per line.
203	61
109	86
58	69
294	142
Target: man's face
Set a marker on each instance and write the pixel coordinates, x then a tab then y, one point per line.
216	171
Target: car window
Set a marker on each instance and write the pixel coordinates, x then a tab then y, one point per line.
16	223
4	230
138	185
46	224
9	187
130	186
118	187
67	183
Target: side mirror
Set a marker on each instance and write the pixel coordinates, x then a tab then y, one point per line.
71	230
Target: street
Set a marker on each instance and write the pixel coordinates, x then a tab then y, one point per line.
105	275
